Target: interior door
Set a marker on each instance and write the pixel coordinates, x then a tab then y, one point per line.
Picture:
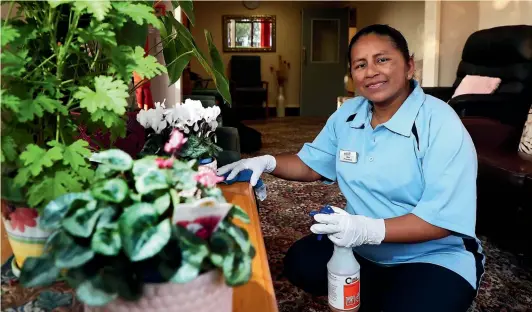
323	59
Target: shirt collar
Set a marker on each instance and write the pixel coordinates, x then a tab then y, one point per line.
403	120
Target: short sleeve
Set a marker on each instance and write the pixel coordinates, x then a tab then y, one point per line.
320	155
450	173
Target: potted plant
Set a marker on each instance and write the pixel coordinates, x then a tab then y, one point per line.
197	122
67	68
145	229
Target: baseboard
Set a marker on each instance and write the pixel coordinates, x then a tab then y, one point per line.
288	111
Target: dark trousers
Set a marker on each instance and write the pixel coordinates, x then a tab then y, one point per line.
412	287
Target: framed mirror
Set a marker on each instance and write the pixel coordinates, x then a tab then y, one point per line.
248	33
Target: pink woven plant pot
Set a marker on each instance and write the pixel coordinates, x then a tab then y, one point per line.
206	293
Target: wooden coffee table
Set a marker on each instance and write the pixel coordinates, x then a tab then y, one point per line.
257	295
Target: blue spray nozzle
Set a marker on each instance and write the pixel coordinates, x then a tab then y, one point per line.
326	210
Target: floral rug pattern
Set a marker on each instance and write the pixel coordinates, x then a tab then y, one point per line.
506	286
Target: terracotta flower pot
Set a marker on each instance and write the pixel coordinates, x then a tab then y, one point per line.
25	236
208	292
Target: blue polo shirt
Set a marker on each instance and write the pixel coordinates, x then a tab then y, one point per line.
422	161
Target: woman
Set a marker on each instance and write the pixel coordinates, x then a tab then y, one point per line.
407	168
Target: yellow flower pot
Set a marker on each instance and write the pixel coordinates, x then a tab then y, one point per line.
25	236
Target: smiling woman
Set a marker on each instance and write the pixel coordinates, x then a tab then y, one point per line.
410	188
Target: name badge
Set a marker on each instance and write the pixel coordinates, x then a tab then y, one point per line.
348	156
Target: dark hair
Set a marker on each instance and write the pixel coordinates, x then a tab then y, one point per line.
395	36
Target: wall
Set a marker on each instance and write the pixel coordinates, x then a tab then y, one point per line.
407	16
504	12
457	21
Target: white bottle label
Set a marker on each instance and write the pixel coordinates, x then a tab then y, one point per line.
344	291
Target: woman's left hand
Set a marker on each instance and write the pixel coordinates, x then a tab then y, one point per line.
348	230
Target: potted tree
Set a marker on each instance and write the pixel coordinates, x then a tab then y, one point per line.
68	66
198	123
153	234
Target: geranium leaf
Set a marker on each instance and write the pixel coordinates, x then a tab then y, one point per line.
77	154
36	158
38	271
82	222
114	190
13	65
9	34
151	181
114	159
9	101
52	187
139	13
101	32
50	105
97	8
9	150
56	209
109	94
106	241
55	3
146	66
141	236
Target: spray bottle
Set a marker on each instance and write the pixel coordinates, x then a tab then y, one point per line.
343	273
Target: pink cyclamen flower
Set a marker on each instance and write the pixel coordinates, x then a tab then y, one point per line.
164	163
177	140
207	178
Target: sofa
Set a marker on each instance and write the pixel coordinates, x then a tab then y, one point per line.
495	122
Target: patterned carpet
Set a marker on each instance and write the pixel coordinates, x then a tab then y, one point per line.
506	286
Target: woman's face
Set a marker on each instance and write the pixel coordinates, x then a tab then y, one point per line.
379	70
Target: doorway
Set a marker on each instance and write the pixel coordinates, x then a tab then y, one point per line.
323	59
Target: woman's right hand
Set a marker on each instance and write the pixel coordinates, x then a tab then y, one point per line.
257	165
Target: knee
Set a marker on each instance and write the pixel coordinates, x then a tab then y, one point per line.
305	265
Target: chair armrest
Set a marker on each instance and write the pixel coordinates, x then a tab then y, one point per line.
442	93
507	109
228	138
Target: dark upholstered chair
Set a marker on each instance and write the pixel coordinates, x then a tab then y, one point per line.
495	122
248	91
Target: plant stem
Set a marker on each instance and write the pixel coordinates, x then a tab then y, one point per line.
95	58
57	128
9	12
40	65
66	81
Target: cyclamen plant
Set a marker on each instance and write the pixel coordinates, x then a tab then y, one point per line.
198	123
151	220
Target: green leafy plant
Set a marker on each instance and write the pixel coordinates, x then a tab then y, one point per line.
67	63
111	239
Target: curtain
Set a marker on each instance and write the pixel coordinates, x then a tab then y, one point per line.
265	32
